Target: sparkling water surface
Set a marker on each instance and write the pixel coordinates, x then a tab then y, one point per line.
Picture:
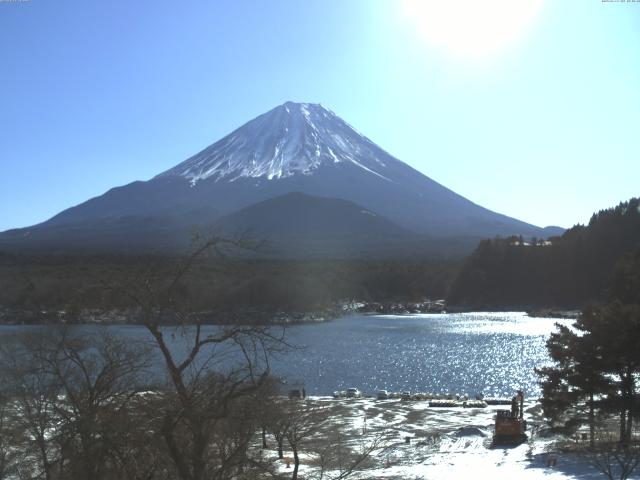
493	353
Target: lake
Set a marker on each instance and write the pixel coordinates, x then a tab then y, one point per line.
493	353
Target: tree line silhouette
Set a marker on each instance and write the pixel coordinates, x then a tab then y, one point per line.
567	271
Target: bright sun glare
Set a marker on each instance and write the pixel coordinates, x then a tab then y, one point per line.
475	29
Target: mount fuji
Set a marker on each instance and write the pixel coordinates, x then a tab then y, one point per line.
300	148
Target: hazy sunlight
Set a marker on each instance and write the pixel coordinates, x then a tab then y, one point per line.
471	28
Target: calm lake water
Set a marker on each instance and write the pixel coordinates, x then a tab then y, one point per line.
493	353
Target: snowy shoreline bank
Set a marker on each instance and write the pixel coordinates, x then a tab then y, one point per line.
443	443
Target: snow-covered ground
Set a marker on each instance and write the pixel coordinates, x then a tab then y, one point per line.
444	443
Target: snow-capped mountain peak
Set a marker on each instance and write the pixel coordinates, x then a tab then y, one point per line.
293	138
295	149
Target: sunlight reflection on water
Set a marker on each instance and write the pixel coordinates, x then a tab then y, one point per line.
493	353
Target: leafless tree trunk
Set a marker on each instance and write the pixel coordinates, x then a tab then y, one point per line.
219	368
304	420
277	423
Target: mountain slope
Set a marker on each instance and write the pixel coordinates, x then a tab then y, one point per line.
296	147
293	226
123	234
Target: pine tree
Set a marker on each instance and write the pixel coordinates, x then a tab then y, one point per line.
597	361
577	381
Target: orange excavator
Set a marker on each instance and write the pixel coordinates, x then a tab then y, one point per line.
510	425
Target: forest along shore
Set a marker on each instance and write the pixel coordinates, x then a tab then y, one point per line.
553	313
246	316
249	316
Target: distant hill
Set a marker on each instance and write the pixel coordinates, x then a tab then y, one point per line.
569	271
305	215
299	225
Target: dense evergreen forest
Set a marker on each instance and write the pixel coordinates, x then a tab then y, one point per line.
568	271
75	283
564	272
593	379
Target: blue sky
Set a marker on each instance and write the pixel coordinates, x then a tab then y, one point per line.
544	127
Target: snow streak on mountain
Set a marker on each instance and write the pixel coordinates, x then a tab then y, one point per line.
294	138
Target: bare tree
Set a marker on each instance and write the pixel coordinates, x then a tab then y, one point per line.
213	373
304	420
277	423
33	394
336	461
98	377
306	426
91	408
70	392
617	461
9	455
266	407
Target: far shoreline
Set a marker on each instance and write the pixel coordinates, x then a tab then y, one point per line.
281	319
